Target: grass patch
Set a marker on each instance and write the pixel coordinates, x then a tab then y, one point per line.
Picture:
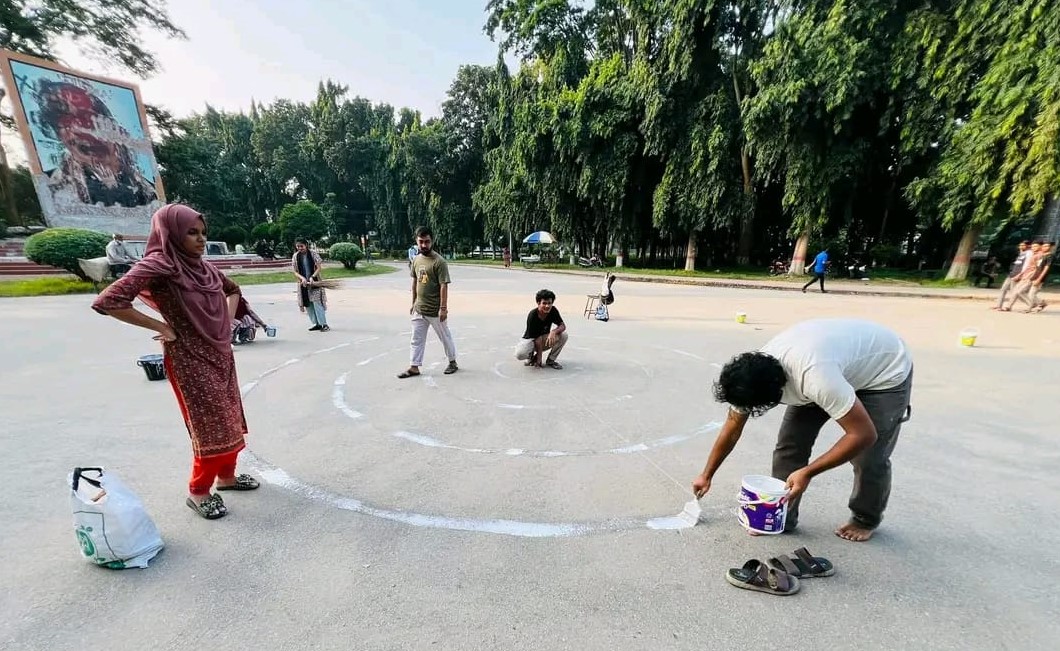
274	277
57	286
62	285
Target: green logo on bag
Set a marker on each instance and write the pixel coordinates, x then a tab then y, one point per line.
87	548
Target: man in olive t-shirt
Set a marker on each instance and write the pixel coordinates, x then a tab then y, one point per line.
430	298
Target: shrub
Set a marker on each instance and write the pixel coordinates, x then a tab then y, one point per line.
347	253
302	219
232	235
262	231
61	247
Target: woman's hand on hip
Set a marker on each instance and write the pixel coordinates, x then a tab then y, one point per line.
166	333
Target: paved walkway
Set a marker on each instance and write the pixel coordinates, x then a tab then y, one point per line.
849	287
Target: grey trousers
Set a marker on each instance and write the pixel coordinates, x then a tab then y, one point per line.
1006	287
872	468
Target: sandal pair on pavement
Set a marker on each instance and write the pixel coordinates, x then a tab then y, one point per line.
414	371
780	575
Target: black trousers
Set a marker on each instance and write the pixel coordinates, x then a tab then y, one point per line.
872	468
817	277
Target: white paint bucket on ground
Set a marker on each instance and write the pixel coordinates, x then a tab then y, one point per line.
763	504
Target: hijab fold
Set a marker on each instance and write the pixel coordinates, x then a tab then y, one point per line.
198	285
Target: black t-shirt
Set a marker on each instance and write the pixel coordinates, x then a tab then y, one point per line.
536	326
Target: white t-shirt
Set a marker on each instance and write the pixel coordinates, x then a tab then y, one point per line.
827	360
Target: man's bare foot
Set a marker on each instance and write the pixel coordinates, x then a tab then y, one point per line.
854	532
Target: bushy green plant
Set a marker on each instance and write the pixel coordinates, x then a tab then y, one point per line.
348	253
302	219
232	235
262	231
61	247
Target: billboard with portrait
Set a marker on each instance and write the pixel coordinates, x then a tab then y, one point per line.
88	146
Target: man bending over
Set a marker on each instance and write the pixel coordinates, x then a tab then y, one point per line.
857	373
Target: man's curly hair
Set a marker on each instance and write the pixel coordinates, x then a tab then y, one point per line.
752	383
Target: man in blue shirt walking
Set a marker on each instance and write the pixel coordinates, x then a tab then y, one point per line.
820	264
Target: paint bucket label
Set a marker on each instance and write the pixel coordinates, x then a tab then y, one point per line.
762	505
741	317
969	336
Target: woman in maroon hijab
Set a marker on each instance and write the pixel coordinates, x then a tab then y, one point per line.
196	302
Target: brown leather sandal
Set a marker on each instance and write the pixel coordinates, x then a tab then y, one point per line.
756	575
803	564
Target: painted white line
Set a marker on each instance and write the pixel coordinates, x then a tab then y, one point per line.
338	398
280	478
328	350
371	359
715	365
504	405
429	381
645	446
682	352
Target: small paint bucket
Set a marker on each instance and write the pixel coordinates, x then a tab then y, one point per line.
741	317
763	506
270	331
968	337
153	366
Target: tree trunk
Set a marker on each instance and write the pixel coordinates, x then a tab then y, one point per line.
798	259
7	187
962	259
743	251
887	205
690	252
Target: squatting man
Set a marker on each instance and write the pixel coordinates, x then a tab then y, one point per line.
539	335
855	372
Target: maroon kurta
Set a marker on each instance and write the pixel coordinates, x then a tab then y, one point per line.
203	377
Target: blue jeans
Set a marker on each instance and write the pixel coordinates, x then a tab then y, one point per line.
316	314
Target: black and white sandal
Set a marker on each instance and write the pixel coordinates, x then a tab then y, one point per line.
212	508
243	483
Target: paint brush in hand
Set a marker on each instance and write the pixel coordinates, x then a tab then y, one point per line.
691	513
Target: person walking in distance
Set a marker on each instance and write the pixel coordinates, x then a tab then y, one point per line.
1025	280
1037	278
430	304
820	265
197	304
1013	273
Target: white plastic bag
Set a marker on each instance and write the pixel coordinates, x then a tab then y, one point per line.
111	524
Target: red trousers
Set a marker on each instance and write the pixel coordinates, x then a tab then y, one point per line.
207	470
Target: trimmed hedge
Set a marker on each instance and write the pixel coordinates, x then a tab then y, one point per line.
61	247
348	253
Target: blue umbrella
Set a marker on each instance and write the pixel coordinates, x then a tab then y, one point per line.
539	237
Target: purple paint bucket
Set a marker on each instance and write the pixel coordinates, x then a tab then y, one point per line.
763	506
